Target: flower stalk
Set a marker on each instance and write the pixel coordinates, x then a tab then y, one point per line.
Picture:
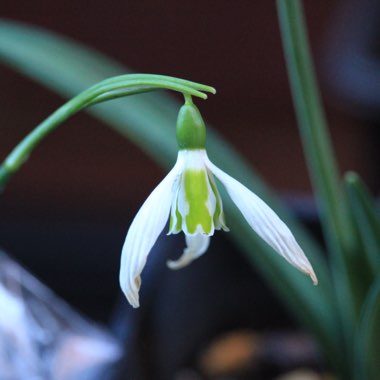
115	87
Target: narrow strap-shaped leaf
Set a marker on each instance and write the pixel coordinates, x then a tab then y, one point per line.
149	121
367	345
322	166
312	124
366	218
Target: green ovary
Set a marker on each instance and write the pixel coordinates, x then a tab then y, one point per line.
196	189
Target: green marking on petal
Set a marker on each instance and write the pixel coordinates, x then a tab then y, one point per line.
174	229
218	208
178	226
219	218
170	224
197	195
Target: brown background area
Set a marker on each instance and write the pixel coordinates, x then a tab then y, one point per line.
234	46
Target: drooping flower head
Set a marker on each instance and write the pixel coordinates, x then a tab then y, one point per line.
189	197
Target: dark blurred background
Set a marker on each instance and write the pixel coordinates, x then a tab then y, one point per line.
65	214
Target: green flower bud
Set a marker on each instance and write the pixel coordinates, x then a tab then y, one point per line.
191	129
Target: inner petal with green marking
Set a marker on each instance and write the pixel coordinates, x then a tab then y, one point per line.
219	218
175	224
198	202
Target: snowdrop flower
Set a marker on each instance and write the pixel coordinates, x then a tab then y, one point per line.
189	197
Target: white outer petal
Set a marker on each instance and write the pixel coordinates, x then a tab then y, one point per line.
143	233
196	246
265	222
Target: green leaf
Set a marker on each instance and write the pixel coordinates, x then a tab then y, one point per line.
367	346
312	124
336	224
149	120
366	218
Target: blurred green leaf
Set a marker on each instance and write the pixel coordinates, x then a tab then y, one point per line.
312	124
367	346
366	219
148	120
336	224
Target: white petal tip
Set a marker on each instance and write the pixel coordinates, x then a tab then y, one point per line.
313	278
224	228
131	292
309	272
176	264
196	246
133	299
135	305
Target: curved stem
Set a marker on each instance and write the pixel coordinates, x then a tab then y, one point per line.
188	99
184	82
111	88
155	83
120	94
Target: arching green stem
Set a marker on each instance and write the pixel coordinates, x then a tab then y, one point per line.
112	88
